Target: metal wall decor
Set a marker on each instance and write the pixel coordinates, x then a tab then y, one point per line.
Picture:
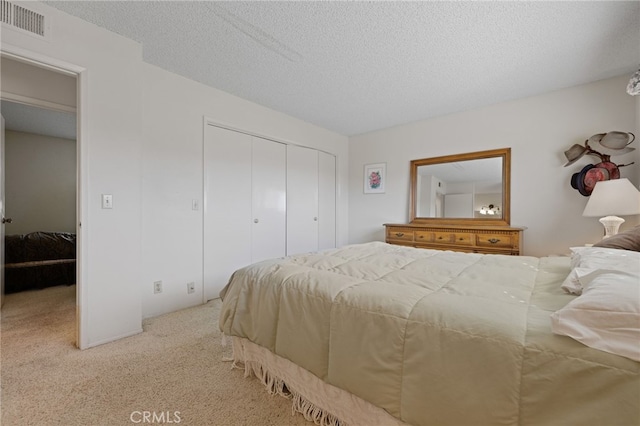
603	146
633	88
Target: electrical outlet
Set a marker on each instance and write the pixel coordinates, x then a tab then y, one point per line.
191	287
157	287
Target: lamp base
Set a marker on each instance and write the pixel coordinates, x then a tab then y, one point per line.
611	225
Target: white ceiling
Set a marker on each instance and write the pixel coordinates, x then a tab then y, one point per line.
355	67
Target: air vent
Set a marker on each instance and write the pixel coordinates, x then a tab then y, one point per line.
22	18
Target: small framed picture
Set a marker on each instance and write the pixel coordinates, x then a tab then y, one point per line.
375	176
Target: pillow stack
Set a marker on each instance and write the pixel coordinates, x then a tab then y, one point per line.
606	315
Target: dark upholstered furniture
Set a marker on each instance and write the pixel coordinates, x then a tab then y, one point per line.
38	260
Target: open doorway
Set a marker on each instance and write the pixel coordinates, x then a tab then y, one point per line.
40	187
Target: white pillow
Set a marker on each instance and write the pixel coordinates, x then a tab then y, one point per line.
572	283
606	316
594	258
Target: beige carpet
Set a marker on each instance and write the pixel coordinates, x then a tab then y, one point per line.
172	370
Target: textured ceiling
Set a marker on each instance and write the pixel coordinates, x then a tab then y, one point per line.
30	119
355	67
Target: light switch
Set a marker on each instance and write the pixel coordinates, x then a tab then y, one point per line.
107	201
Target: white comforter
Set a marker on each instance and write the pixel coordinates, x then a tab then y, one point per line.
433	337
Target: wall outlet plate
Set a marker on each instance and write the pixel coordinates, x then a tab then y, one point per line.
191	287
157	287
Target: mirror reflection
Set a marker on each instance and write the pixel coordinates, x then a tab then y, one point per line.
471	189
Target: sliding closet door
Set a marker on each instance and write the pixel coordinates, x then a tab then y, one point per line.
302	200
269	200
311	200
227	206
262	200
326	201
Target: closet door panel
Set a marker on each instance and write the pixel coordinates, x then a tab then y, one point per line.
227	206
327	201
269	200
262	200
302	200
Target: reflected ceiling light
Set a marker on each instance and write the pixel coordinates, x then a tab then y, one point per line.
490	210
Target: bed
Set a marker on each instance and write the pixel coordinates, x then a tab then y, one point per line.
382	334
38	260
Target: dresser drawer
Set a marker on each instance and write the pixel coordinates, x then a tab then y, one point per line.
423	236
400	234
442	237
463	238
493	240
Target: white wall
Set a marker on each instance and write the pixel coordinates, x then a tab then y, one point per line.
25	83
538	129
40	183
110	142
174	111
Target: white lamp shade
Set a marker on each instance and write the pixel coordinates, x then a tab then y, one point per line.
617	197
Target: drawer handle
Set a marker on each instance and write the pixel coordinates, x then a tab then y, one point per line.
399	234
493	240
421	236
439	238
461	239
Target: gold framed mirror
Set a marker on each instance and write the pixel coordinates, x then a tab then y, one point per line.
463	189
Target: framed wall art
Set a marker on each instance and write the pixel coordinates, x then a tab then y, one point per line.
375	177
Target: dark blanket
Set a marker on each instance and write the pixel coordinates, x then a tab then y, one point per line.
38	260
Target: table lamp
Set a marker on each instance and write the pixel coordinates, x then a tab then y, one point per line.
611	198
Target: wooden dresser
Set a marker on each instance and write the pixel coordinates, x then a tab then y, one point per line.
466	238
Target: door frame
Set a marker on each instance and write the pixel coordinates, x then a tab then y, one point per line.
81	75
2	215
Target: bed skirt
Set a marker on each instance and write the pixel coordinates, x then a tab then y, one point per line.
317	401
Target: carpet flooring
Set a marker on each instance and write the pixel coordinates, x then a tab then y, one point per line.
171	373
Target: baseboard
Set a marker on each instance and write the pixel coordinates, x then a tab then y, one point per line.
111	339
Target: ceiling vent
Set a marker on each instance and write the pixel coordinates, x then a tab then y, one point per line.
21	18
